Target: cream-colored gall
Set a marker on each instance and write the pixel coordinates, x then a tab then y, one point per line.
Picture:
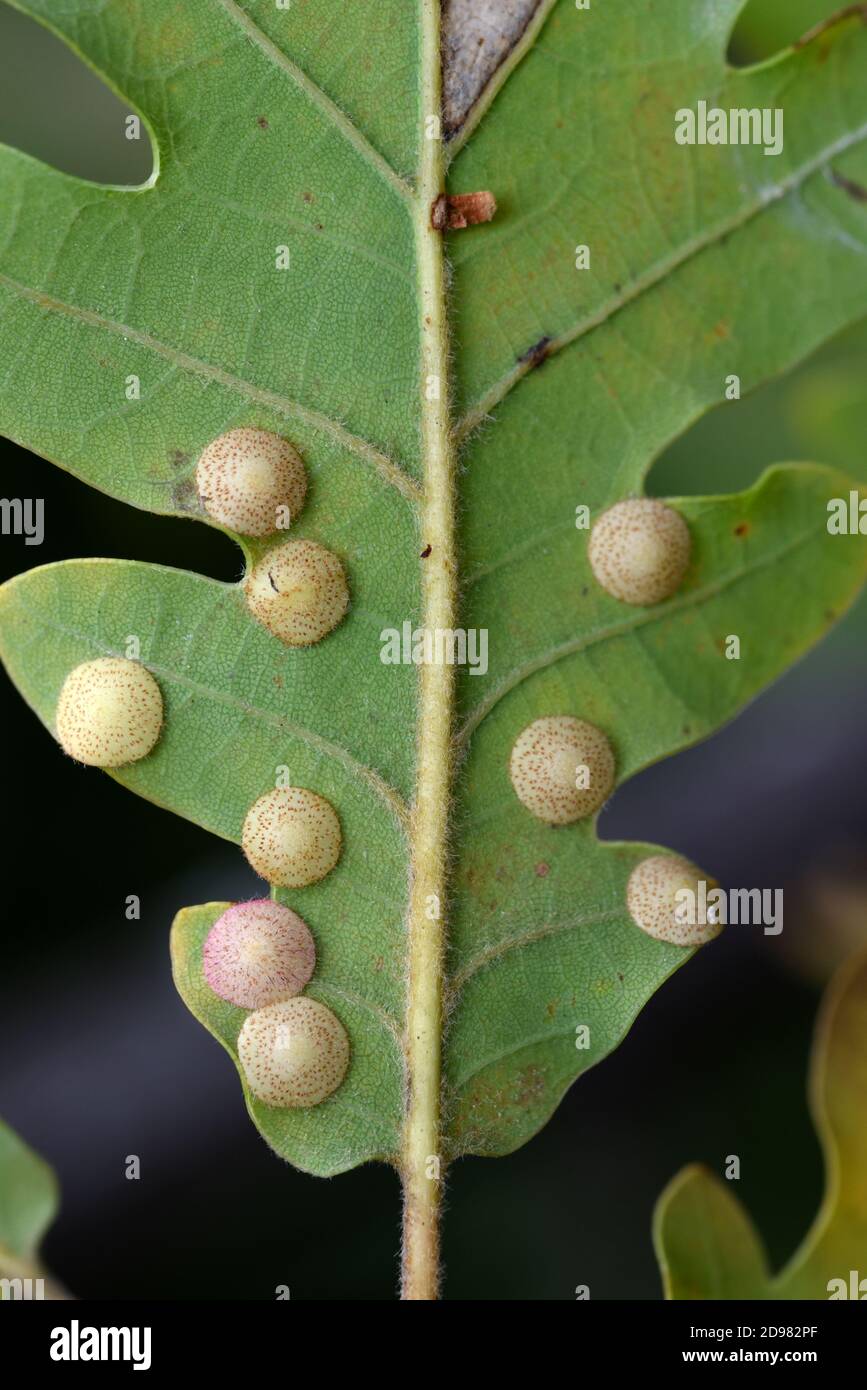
294	1054
665	899
109	713
292	837
639	551
562	769
251	481
257	953
298	591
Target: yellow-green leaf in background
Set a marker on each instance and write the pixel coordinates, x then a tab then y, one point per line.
28	1204
707	1245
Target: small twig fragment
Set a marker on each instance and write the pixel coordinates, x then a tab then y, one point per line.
452	211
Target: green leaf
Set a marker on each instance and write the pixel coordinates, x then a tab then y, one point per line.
362	1119
706	1244
28	1204
307	129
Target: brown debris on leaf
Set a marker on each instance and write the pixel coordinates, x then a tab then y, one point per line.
451	212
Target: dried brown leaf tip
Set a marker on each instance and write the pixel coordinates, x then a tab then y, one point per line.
452	211
478	37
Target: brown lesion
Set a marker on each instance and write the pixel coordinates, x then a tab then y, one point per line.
478	37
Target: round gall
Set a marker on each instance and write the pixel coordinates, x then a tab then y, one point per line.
292	837
298	591
562	769
639	551
245	477
258	953
654	905
109	713
294	1054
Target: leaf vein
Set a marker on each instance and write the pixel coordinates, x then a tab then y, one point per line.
348	129
656	275
389	794
645	618
362	448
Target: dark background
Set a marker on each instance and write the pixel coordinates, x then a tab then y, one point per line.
102	1060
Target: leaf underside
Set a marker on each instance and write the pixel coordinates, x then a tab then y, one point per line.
300	128
706	1243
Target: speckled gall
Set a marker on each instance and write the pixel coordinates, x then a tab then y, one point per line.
639	551
652	900
109	712
258	953
246	476
294	1054
292	837
562	768
298	591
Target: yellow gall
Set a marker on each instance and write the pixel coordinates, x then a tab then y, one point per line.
257	953
110	712
294	1054
246	477
664	899
292	837
562	769
639	551
298	591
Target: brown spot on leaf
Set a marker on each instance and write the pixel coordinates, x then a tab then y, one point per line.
426	552
856	191
262	122
542	870
535	355
185	496
743	528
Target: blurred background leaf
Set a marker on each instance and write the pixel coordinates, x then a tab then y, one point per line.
706	1244
28	1204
